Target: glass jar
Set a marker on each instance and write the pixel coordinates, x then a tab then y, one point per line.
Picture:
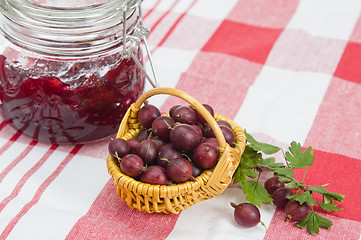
69	70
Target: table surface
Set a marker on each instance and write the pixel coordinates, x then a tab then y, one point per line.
283	70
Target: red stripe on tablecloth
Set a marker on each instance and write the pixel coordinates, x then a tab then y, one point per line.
164	15
10	142
349	67
3	124
27	175
246	41
171	29
336	126
151	10
110	218
159	21
39	192
17	160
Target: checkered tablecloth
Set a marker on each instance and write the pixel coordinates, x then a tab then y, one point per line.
282	69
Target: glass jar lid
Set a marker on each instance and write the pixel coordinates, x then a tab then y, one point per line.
68	28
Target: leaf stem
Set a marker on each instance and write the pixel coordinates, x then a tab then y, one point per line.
304	175
264	225
284	156
314	199
298	190
259	175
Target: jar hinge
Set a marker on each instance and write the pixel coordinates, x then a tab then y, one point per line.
135	40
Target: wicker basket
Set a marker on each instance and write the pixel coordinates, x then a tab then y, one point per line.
174	198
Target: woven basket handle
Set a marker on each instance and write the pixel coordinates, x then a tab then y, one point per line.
193	102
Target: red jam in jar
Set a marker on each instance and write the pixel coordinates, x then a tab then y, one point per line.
73	93
48	109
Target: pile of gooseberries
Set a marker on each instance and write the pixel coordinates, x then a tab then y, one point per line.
293	209
248	215
172	148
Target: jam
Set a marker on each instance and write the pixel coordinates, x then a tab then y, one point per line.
88	105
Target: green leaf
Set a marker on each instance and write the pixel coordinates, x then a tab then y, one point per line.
297	158
303	197
284	179
329	207
286	172
335	196
250	158
270	163
318	189
256	193
258	146
289	182
239	176
327	199
294	184
291	185
250	173
313	222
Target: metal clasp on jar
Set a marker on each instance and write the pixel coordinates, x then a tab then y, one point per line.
132	42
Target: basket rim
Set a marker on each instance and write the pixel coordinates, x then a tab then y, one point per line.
194	103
